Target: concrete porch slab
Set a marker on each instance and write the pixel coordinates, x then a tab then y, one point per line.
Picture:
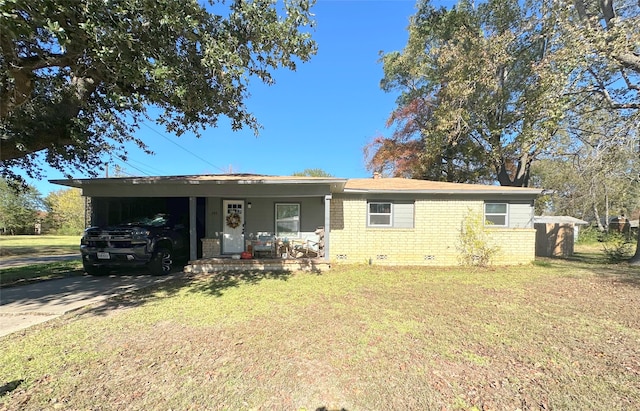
212	265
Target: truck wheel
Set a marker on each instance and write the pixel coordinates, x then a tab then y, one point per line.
93	270
161	262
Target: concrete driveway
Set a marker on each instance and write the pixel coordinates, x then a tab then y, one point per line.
27	305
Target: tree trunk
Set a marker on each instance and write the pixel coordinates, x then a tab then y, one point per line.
596	215
635	260
518	177
607	218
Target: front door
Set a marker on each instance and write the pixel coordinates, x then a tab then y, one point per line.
233	223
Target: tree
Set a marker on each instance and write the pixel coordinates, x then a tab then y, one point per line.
598	42
478	94
18	210
66	211
76	78
312	172
592	183
599	46
413	151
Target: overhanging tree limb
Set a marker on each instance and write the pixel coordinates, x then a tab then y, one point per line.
74	74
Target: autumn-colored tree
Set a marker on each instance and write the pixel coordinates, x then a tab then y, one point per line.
414	152
66	211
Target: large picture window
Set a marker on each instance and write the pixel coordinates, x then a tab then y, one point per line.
496	214
380	214
287	220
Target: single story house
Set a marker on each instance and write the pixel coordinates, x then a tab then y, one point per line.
386	221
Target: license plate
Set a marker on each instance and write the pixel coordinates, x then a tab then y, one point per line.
103	256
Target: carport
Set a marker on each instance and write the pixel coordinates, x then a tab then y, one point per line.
203	201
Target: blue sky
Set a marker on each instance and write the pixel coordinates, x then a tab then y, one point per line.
320	116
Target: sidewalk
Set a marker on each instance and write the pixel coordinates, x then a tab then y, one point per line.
24	306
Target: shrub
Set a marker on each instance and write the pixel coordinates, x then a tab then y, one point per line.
618	247
589	235
474	243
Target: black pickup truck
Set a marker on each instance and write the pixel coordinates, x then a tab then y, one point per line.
151	241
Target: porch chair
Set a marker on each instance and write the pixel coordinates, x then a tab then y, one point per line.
306	248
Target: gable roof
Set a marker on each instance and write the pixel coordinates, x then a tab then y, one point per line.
406	185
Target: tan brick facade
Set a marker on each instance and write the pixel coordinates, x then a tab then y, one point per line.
432	242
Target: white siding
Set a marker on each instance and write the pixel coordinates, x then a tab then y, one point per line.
403	215
521	215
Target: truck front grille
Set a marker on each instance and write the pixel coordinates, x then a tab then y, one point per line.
110	239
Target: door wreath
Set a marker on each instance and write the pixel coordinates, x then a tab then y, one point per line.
233	220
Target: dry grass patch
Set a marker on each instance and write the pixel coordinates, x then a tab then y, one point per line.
556	335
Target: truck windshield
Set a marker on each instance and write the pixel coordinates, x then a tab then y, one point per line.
157	220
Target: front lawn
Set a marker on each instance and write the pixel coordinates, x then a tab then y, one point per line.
25	274
553	335
38	245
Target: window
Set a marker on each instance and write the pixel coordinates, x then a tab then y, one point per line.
287	220
390	214
380	214
495	214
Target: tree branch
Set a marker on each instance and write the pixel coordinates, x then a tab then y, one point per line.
630	61
53	126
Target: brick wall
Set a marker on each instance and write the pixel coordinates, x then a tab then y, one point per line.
433	240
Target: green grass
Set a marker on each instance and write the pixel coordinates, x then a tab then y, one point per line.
36	245
39	272
554	335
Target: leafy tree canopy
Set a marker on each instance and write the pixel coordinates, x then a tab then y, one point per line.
486	89
76	78
312	172
598	43
66	211
18	210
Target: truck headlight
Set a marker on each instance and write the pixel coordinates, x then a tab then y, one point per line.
140	233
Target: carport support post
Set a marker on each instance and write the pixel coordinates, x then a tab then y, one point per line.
193	232
327	225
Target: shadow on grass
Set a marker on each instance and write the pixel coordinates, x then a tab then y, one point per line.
597	263
10	386
29	274
214	284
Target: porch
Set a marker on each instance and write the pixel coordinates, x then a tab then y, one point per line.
224	263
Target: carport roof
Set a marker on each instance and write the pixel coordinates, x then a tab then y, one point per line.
204	179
